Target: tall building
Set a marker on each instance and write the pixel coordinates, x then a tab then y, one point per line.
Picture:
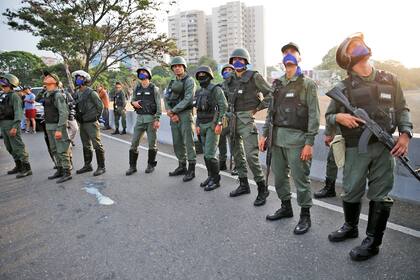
190	33
234	25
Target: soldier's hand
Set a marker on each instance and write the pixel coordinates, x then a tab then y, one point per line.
12	132
156	125
306	153
197	130
348	120
136	104
261	143
401	148
218	129
58	135
169	113
174	118
328	139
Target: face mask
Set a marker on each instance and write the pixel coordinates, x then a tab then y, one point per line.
143	76
290	58
79	82
204	81
226	75
360	50
238	65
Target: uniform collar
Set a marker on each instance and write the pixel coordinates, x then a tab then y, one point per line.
284	80
369	78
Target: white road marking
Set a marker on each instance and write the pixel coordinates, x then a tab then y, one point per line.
317	202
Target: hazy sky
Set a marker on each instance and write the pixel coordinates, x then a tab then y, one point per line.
390	27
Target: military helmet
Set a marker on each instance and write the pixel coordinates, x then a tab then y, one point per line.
145	69
227	65
290	45
242	53
81	73
206	69
178	60
52	75
12	79
342	58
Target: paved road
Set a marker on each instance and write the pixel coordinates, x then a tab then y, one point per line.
161	228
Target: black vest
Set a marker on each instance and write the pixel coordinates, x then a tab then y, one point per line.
288	110
51	114
174	97
205	103
146	96
6	109
243	93
85	108
377	98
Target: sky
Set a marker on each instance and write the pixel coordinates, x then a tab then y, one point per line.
390	27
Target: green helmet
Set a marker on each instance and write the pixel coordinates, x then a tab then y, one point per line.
206	69
227	65
145	69
12	79
242	53
52	75
344	60
178	60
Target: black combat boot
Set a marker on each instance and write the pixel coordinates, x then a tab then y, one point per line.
327	191
180	170
87	156
286	211
206	182
25	170
132	159
304	222
222	165
234	171
116	131
58	173
190	172
351	221
123	131
378	216
151	161
243	188
214	181
100	160
263	193
16	169
66	175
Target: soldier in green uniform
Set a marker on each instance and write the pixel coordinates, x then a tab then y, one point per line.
88	111
244	88
56	113
331	172
11	114
226	71
146	103
179	104
379	93
120	101
294	114
211	105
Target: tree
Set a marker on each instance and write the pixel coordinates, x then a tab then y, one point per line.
206	60
26	66
101	31
162	71
329	63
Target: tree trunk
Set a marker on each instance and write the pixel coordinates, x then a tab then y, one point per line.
68	74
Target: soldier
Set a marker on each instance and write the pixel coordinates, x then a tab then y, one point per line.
56	112
11	114
294	115
120	101
88	111
146	103
244	87
211	107
379	93
226	71
331	172
179	103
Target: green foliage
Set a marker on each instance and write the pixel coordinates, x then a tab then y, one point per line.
409	78
329	63
26	66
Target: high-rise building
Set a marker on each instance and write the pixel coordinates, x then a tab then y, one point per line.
190	33
234	25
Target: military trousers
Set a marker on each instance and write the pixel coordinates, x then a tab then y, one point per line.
183	137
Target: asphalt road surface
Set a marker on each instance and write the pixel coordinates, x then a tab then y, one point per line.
162	228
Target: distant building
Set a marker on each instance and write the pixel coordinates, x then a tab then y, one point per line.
49	61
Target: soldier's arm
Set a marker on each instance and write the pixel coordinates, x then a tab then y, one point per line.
17	107
158	103
63	110
330	123
189	88
402	113
266	126
221	103
313	112
265	89
97	101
